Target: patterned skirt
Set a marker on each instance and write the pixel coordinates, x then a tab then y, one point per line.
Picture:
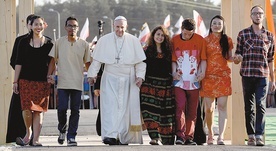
158	109
34	95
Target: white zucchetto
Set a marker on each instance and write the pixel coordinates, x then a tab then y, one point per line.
120	18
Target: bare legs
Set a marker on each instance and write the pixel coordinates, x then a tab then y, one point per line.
37	124
222	109
28	120
209	116
32	120
95	102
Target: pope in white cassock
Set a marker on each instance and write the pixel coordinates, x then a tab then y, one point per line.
122	77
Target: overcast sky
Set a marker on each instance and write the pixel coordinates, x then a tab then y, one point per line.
41	2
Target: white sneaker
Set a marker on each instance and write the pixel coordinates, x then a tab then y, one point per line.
71	142
179	141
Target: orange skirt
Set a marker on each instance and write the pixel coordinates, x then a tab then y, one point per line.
34	95
214	86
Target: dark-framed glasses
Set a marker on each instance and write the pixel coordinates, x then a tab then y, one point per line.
72	26
257	13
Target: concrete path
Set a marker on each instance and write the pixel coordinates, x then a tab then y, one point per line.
88	139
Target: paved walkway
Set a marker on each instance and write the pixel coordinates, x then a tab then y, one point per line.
88	139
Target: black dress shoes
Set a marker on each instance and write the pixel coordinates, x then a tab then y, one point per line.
110	141
121	143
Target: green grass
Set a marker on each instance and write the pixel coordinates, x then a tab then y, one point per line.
270	132
270	129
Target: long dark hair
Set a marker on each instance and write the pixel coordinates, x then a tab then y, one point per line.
224	38
32	21
165	45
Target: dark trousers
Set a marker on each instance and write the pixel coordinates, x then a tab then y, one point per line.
64	95
16	126
254	93
200	135
98	121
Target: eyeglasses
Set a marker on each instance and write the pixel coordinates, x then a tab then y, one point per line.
72	26
257	13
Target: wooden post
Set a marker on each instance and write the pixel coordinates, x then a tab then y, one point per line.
8	20
226	13
240	20
8	30
26	7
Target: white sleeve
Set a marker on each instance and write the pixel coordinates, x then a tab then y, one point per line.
94	68
140	70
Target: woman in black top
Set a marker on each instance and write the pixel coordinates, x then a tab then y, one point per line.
157	101
30	80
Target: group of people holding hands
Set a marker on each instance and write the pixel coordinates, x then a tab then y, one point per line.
156	88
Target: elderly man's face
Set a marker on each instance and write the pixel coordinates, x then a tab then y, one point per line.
120	27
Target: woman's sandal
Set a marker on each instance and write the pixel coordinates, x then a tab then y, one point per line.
210	141
154	142
37	144
20	141
220	141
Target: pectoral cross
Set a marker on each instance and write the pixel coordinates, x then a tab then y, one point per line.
117	58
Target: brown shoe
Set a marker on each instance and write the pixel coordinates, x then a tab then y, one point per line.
251	142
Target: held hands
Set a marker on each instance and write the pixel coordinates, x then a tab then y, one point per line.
138	82
51	79
177	75
97	92
200	76
237	58
92	80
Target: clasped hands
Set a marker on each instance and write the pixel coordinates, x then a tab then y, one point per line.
237	58
177	75
138	82
91	80
51	79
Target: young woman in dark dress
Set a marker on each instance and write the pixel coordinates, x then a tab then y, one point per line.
157	99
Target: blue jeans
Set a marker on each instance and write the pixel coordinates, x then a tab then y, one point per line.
255	89
64	95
